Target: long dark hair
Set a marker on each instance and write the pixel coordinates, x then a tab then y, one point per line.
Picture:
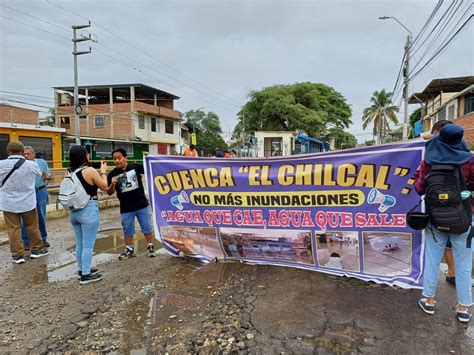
77	157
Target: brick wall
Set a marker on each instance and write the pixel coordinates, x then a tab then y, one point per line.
15	114
467	122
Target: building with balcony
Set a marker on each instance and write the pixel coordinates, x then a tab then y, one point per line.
135	117
450	99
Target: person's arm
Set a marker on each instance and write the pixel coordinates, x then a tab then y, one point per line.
100	178
419	177
112	182
46	172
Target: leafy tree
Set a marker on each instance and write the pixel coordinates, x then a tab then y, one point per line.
49	120
207	127
310	108
342	139
194	119
379	114
414	117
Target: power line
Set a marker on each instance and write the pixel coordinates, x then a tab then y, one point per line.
428	21
146	53
438	34
134	68
34	17
36	28
443	47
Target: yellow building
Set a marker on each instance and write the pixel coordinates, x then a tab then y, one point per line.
44	139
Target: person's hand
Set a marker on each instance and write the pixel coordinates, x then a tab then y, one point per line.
114	180
103	167
145	154
426	136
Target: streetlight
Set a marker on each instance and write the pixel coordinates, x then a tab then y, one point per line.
408	45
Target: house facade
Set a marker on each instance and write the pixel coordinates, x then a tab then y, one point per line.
20	124
135	117
450	99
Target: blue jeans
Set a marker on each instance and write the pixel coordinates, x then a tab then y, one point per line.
128	222
434	250
42	200
85	223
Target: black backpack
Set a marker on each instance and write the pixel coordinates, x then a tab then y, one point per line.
448	211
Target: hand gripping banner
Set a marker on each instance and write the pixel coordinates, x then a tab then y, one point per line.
340	212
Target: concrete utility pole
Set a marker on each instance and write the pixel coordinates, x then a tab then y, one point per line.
75	53
406	81
406	73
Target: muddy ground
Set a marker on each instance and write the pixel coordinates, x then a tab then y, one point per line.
177	306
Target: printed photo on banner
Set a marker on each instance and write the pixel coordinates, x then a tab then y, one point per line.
270	244
338	250
193	240
387	253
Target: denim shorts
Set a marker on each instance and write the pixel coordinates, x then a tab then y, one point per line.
128	222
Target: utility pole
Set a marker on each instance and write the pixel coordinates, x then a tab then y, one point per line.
406	73
75	53
406	81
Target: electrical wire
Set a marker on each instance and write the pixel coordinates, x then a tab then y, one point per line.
36	28
441	49
236	103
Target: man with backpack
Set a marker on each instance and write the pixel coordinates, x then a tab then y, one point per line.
18	201
126	180
446	178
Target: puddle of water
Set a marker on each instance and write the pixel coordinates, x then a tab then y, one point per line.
338	341
108	245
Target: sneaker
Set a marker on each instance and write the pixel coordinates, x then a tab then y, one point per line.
463	316
128	253
39	253
451	280
94	271
427	308
87	279
18	259
46	244
151	252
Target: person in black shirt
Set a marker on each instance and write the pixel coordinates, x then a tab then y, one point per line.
126	180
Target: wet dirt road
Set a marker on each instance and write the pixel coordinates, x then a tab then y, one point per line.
169	305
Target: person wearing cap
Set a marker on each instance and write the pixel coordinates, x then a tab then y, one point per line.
447	147
41	197
18	201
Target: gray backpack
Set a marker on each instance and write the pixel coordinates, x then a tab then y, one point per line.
72	194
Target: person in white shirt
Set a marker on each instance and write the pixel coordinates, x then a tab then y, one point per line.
18	201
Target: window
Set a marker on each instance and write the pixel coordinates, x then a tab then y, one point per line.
127	146
468	104
99	121
169	127
65	122
4	140
40	145
153	124
141	122
442	114
103	148
451	112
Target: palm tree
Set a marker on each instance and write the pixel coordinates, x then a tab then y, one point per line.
380	113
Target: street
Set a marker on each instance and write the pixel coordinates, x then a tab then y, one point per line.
174	305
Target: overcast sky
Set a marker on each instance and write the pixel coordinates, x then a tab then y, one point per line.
212	53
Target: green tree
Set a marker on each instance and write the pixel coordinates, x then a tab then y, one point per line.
342	139
414	117
380	114
312	108
207	127
49	120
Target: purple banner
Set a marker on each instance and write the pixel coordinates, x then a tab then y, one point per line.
340	212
